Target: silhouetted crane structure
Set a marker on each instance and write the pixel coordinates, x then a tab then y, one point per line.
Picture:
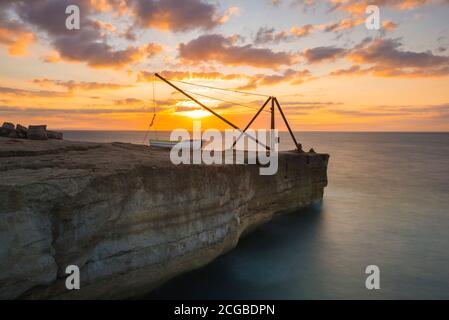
274	104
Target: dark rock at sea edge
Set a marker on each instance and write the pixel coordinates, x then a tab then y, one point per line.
8	125
22	131
54	135
37	132
7	132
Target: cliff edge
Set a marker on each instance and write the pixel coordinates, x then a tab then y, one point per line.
127	217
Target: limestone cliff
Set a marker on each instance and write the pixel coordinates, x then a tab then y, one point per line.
126	216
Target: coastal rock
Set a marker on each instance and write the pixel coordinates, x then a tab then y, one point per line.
8	130
8	125
22	131
37	132
127	217
54	135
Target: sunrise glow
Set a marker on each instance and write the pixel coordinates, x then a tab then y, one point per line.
329	71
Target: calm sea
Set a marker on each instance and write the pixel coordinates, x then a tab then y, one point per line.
387	204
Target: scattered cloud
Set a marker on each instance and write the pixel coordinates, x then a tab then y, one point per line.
389	25
269	35
129	101
8	91
321	54
288	76
35	111
358	7
80	85
341	25
217	48
14	35
88	45
386	58
426	111
186	75
178	15
354	70
253	81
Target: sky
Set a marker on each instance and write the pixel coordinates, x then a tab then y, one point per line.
327	69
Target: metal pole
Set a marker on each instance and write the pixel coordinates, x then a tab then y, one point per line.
208	109
251	122
287	124
273	123
193	99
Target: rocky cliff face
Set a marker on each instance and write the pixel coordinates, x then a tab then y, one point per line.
126	216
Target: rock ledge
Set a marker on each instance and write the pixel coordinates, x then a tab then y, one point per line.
126	216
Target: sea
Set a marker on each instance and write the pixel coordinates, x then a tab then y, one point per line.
386	205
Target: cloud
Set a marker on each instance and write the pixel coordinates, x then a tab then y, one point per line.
421	112
119	7
351	71
253	81
89	44
129	101
341	25
232	11
358	7
75	85
321	54
214	47
269	35
178	15
35	111
7	91
186	75
389	25
304	4
290	76
387	59
14	35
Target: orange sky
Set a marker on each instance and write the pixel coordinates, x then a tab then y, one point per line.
326	68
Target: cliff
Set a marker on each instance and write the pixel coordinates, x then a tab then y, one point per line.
126	216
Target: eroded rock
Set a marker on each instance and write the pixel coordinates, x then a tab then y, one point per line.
127	217
22	131
54	135
37	132
8	125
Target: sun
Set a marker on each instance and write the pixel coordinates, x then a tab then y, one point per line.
195	114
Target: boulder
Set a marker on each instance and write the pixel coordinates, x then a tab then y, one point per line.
22	131
13	134
54	135
8	131
4	132
37	132
8	125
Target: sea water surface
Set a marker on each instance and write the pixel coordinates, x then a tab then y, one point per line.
387	204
